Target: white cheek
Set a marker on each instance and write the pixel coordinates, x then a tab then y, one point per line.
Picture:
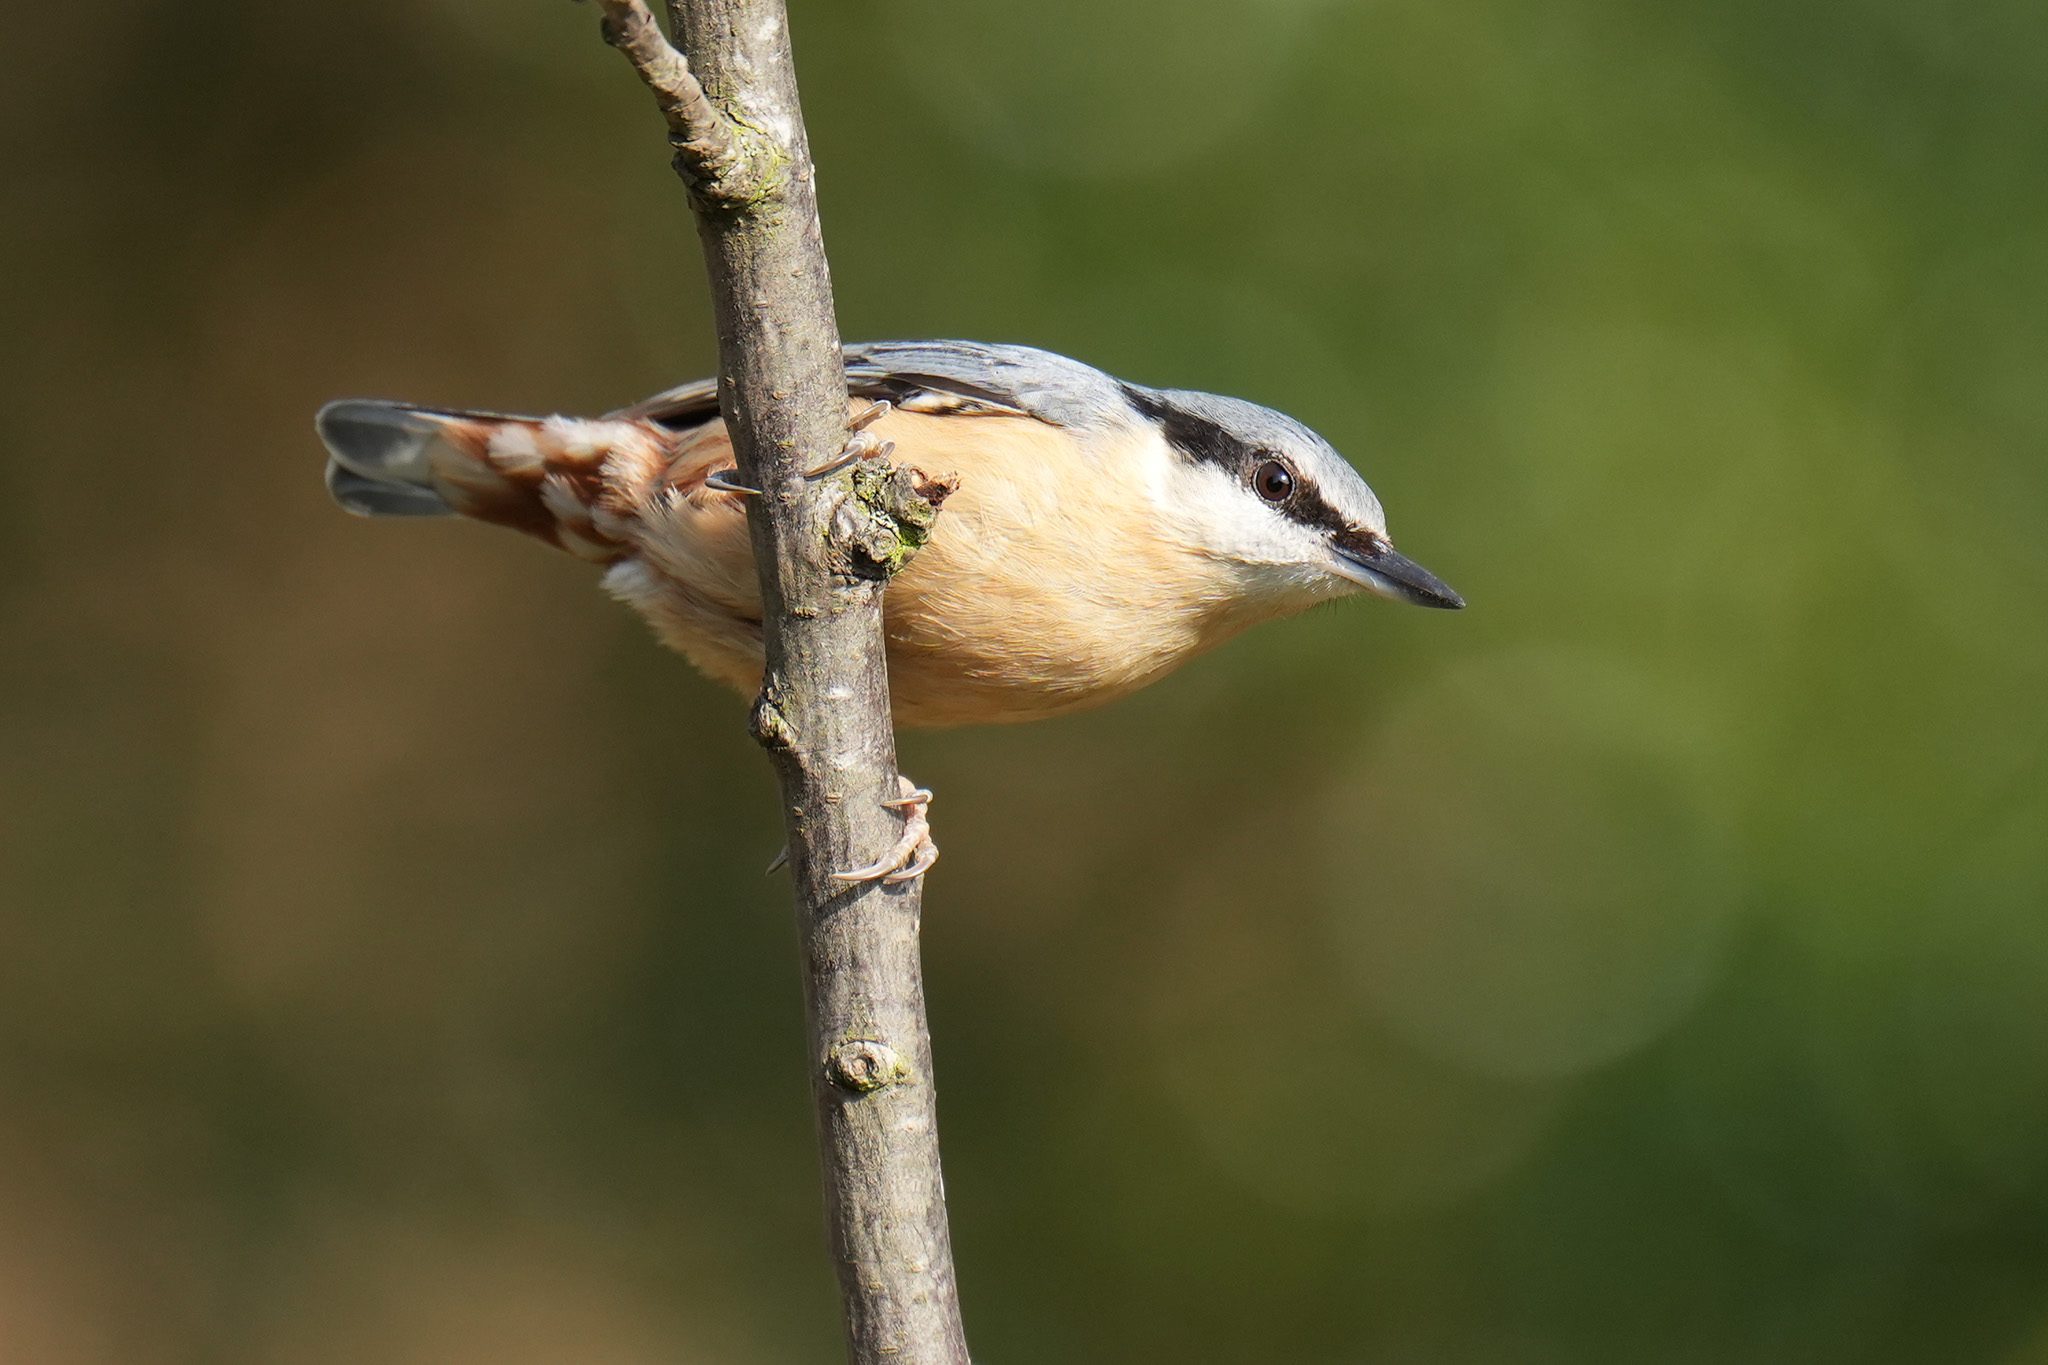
1222	515
1204	507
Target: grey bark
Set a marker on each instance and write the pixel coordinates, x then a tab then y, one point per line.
825	549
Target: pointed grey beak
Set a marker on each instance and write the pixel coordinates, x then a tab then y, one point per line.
1369	561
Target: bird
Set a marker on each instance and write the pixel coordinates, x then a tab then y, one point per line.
1099	534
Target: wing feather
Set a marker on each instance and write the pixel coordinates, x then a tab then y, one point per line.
959	378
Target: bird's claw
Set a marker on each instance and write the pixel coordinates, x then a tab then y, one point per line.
911	856
871	414
860	444
724	482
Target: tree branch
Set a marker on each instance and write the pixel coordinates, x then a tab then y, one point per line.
825	549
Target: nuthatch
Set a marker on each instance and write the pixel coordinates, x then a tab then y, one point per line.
1102	533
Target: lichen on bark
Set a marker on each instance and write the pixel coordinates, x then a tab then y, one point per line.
888	515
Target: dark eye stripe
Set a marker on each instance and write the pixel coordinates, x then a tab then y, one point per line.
1207	443
1308	508
1198	438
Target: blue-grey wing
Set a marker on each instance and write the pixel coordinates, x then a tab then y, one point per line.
1022	379
967	378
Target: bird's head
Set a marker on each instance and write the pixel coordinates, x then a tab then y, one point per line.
1260	490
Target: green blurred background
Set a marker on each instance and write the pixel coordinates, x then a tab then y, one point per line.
1647	965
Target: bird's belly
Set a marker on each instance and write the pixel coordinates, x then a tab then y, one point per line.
959	653
964	650
943	670
993	678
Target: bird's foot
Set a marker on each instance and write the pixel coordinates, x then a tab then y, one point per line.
912	855
860	445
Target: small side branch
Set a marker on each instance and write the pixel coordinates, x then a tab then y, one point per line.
721	160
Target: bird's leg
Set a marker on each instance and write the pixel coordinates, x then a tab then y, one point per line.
860	445
912	855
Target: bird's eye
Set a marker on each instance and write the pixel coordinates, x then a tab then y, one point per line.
1273	481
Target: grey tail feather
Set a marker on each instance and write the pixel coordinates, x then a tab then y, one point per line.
380	461
378	458
370	498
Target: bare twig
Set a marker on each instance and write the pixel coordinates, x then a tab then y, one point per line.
718	158
825	548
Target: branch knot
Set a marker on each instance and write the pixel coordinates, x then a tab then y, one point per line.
770	727
864	1065
889	516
